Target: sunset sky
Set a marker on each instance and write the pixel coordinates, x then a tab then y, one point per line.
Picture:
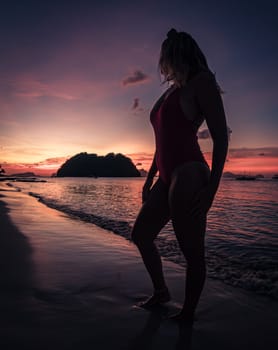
81	76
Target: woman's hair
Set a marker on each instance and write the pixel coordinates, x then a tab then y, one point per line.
181	53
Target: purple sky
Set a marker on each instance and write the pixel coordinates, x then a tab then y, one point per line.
82	75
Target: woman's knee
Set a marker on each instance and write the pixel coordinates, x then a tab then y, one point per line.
152	217
135	236
139	230
139	238
192	247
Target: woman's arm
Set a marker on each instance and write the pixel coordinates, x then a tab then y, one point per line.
153	169
149	180
211	105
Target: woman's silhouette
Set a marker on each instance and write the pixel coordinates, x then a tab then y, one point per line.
185	188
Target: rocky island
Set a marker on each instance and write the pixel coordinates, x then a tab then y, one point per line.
92	165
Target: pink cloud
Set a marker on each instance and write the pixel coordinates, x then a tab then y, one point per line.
253	152
137	77
135	103
254	165
45	167
142	158
32	87
205	134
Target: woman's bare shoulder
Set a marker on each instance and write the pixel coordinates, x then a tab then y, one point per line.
202	81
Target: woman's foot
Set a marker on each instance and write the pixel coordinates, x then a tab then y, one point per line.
182	317
159	296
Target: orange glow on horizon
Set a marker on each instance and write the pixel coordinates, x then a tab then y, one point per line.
251	165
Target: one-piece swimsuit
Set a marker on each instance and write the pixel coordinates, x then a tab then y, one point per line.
175	137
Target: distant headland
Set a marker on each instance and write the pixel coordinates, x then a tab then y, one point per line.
92	165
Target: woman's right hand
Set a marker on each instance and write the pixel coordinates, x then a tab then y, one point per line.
146	189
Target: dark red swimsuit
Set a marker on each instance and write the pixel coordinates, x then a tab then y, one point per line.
175	137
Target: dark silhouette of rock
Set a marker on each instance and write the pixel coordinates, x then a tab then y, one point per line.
111	165
143	172
26	174
2	171
228	174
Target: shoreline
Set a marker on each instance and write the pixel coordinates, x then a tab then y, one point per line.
65	283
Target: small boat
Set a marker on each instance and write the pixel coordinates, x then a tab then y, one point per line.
246	178
275	177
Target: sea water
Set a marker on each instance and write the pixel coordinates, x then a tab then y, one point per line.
241	237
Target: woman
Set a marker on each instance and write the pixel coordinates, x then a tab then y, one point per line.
186	187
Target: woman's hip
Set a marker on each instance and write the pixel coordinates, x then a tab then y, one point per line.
193	173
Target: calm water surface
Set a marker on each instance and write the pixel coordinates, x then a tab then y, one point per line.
242	226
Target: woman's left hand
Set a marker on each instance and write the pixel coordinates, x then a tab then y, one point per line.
202	202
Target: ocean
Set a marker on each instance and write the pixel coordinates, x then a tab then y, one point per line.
241	237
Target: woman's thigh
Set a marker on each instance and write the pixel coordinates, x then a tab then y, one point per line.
153	216
187	180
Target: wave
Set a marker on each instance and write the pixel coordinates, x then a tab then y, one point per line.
119	227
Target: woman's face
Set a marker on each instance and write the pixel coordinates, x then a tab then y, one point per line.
168	71
174	77
177	78
165	68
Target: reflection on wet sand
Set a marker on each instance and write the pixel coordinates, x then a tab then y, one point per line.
157	317
16	283
16	269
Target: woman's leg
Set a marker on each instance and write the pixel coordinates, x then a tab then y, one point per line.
187	180
152	217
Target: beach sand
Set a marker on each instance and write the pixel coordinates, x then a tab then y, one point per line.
67	284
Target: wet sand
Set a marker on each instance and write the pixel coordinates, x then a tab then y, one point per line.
66	284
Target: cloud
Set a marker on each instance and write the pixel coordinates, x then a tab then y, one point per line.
137	109
34	88
135	103
253	152
137	77
142	158
52	162
31	87
46	163
229	132
205	134
45	167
